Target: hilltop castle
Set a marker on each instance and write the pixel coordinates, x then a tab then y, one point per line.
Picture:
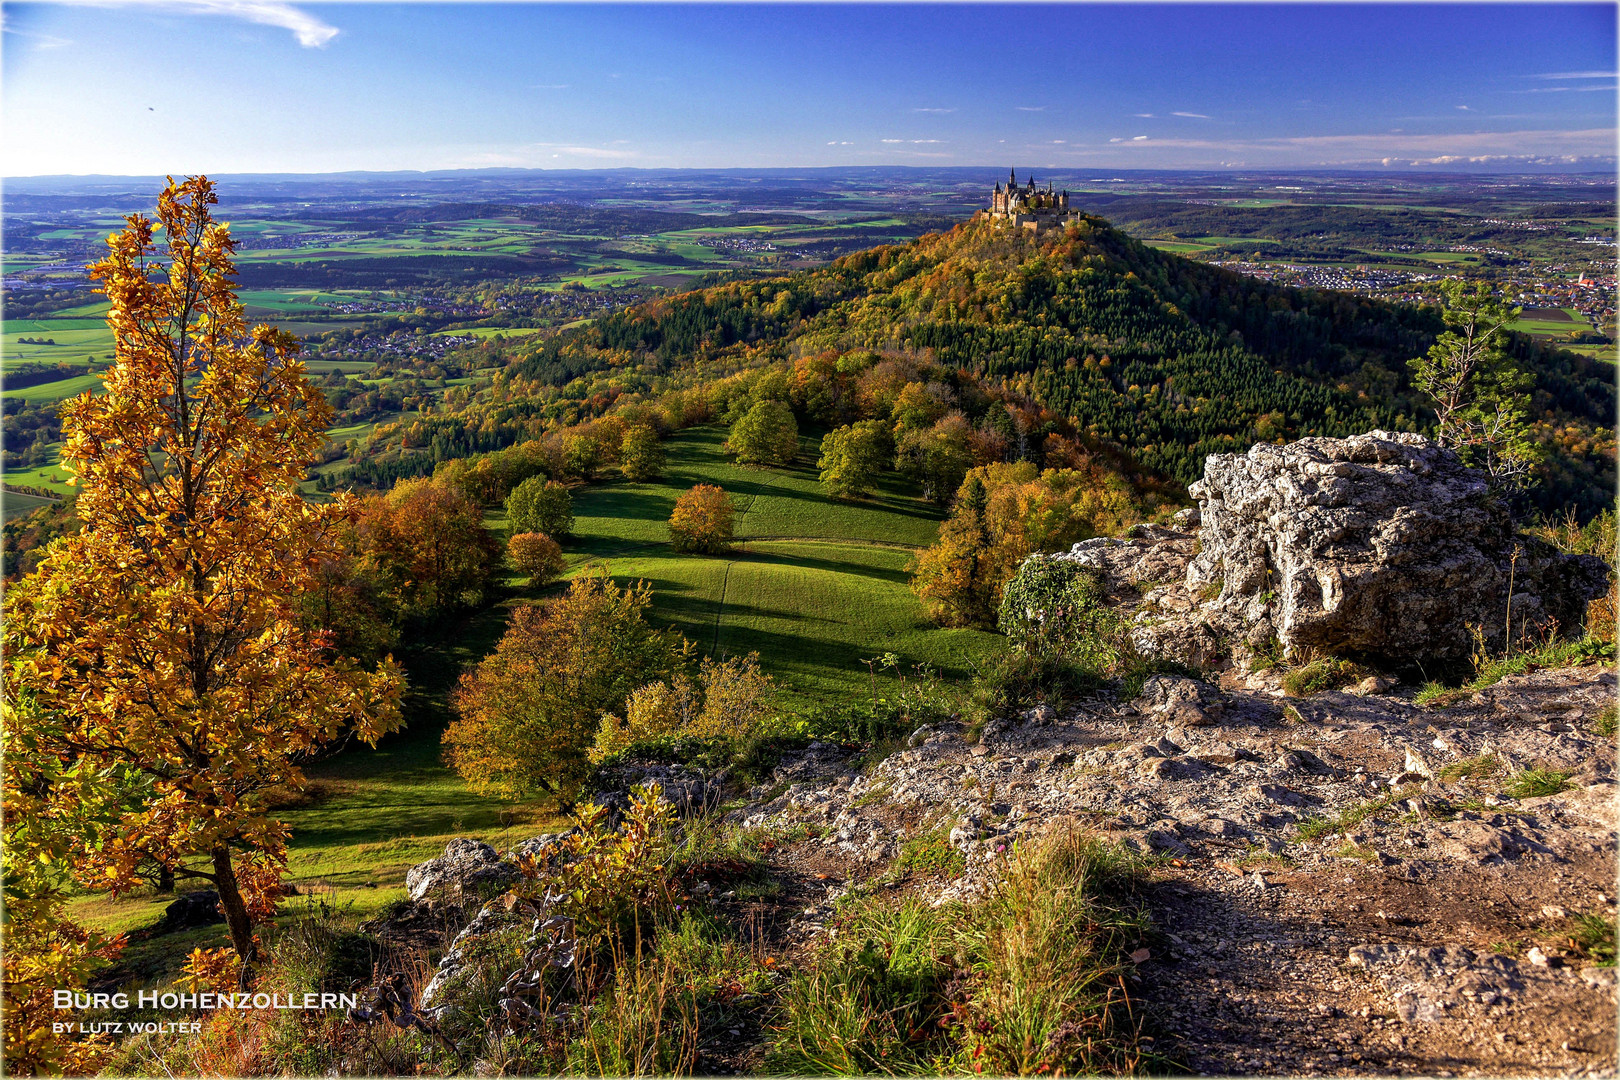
1026	207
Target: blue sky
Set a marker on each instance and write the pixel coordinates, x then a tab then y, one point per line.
221	86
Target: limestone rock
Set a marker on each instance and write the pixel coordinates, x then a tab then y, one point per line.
1382	544
467	867
1178	700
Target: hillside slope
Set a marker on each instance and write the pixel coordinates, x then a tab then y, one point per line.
1169	358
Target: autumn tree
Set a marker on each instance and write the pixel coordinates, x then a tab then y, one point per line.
428	538
853	456
1481	398
641	455
703	520
766	435
540	505
527	713
159	678
537	555
957	577
1004	513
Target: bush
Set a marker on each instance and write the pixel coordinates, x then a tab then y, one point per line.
727	701
1053	607
703	521
526	714
539	505
536	555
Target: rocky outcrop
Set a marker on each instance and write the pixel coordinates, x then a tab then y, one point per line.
1383	544
467	868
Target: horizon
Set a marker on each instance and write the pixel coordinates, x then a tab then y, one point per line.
332	89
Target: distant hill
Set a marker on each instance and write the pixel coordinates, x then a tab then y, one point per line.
1168	358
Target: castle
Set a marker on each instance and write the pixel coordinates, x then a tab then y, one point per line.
1026	207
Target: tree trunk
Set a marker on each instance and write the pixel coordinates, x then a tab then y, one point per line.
165	884
236	916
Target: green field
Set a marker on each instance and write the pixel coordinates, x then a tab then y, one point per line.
78	342
17	504
814	585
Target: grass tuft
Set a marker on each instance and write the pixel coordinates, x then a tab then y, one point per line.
1532	783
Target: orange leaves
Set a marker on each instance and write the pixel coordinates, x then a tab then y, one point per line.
164	641
703	520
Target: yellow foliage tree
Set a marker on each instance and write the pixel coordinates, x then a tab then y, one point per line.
526	714
158	676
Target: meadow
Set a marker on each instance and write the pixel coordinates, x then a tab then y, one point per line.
817	586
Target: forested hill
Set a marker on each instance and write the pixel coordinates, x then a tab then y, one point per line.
1170	358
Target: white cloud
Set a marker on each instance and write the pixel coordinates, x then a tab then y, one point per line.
1191	115
1579	75
548	86
1137	138
894	140
1465	108
1030	108
1563	89
934	110
1143	115
311	32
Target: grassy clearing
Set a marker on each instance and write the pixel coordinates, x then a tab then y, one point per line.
52	475
814	606
78	342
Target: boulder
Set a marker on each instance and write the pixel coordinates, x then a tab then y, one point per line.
1179	700
467	868
1382	544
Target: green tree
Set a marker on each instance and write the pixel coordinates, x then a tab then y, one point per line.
937	457
641	455
766	435
539	505
1481	399
853	456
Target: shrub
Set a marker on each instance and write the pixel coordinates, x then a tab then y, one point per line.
1327	673
727	701
703	521
1054	607
539	505
766	435
536	555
